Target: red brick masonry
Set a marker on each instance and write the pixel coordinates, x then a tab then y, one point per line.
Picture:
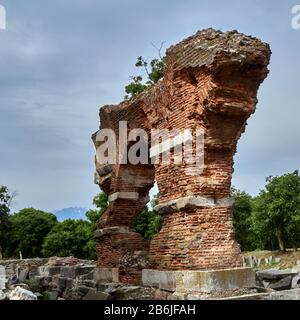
211	83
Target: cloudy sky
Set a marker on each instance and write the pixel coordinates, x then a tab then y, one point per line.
61	60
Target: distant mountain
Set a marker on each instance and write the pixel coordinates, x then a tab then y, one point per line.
71	213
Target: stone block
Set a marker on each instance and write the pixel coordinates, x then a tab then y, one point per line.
293	294
168	280
296	282
2	277
283	284
193	202
47	271
106	275
200	281
92	294
151	277
23	274
110	231
68	272
64	283
274	274
123	195
83	270
217	280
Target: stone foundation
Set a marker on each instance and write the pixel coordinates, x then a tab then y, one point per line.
199	281
106	275
73	279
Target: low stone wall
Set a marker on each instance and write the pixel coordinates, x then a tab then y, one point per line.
74	279
278	280
66	279
12	267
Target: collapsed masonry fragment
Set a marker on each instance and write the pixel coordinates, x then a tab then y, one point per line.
211	83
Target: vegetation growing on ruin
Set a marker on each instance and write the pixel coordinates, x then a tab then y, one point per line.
152	72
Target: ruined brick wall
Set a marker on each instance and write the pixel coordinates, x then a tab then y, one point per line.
127	187
210	83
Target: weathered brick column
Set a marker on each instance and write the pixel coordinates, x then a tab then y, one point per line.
211	83
127	187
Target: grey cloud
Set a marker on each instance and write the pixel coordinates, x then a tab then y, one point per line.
61	60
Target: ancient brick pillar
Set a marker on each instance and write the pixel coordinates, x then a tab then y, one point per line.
210	85
213	79
127	187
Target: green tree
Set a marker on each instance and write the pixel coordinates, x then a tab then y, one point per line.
264	235
277	210
148	222
5	221
5	199
29	228
101	204
135	87
70	238
153	70
141	222
242	211
94	215
154	226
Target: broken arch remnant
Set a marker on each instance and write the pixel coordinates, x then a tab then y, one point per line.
210	83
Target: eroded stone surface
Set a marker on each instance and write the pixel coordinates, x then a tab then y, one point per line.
293	294
200	281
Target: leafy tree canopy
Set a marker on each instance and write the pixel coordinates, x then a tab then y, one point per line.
277	210
29	228
242	211
101	204
148	222
70	238
5	223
